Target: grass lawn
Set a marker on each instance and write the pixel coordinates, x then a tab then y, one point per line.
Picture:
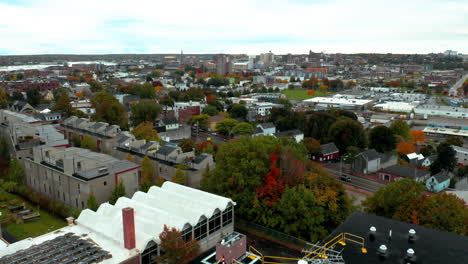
302	94
45	224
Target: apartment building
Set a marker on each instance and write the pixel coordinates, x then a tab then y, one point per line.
70	175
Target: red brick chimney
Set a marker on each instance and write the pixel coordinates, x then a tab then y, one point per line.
128	219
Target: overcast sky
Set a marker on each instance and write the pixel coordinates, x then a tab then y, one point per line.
235	26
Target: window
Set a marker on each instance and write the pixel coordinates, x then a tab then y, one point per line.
227	216
82	205
105	183
386	177
64	197
215	222
187	233
150	254
78	165
76	202
201	229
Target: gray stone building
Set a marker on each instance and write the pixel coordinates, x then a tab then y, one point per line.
70	175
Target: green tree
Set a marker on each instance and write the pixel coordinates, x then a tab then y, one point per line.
382	139
176	249
201	120
456	141
345	133
16	172
88	143
219	106
401	128
210	110
33	97
225	126
285	102
3	98
167	101
76	141
351	153
108	109
17	96
180	177
394	197
145	130
63	103
145	111
4	151
91	203
119	191
187	145
238	111
147	173
243	129
446	159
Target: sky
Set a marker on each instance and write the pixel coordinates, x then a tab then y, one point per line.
239	26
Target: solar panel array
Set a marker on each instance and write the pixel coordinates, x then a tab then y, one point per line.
65	249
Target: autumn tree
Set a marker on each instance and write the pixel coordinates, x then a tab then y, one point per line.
63	103
3	98
147	173
201	120
176	249
312	145
418	136
225	126
345	133
119	191
187	144
88	143
145	130
382	139
401	128
145	111
91	203
108	109
129	157
243	129
273	187
180	177
405	147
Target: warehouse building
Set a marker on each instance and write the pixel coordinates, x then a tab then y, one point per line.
441	110
342	103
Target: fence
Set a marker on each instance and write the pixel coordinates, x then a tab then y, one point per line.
271	234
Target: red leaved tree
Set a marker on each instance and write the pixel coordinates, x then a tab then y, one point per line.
270	192
176	250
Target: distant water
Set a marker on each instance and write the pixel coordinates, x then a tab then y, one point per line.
43	66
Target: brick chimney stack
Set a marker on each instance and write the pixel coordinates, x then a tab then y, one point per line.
128	219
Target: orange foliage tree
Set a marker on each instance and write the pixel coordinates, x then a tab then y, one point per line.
272	189
406	147
418	136
311	92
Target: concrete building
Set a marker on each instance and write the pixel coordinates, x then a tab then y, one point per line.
441	110
70	175
396	107
223	64
330	102
445	132
128	232
462	155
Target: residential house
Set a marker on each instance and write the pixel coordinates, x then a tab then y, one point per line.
462	155
294	134
397	172
328	152
166	124
370	161
22	107
419	160
438	182
265	129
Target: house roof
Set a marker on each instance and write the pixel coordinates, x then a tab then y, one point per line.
166	150
430	245
442	176
198	159
405	171
289	133
267	125
169	120
370	154
329	148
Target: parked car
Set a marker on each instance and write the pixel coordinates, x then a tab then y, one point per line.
345	178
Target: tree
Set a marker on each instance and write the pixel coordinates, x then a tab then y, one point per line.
76	140
345	133
17	96
119	191
91	203
285	102
405	147
33	96
88	143
418	136
238	111
210	110
145	130
382	139
312	145
16	172
243	129
446	159
179	177
401	128
225	126
63	103
219	106
273	187
108	109
129	157
167	101
201	120
456	141
317	125
394	197
3	98
176	250
187	145
147	173
145	111
4	154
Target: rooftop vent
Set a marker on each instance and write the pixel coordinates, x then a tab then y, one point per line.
372	231
411	235
410	256
382	252
410	252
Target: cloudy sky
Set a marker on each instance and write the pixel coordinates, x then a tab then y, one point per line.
236	26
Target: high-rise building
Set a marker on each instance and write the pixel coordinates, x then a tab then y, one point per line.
267	58
223	64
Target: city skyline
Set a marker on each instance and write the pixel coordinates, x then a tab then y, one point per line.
250	27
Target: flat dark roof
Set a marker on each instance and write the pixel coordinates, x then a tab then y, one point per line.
430	246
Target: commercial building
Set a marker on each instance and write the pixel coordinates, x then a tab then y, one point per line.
441	110
71	175
223	64
462	155
331	102
128	232
396	107
444	132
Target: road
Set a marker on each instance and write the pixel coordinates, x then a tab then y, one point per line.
357	181
458	84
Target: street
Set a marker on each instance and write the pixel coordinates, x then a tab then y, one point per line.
356	181
458	84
